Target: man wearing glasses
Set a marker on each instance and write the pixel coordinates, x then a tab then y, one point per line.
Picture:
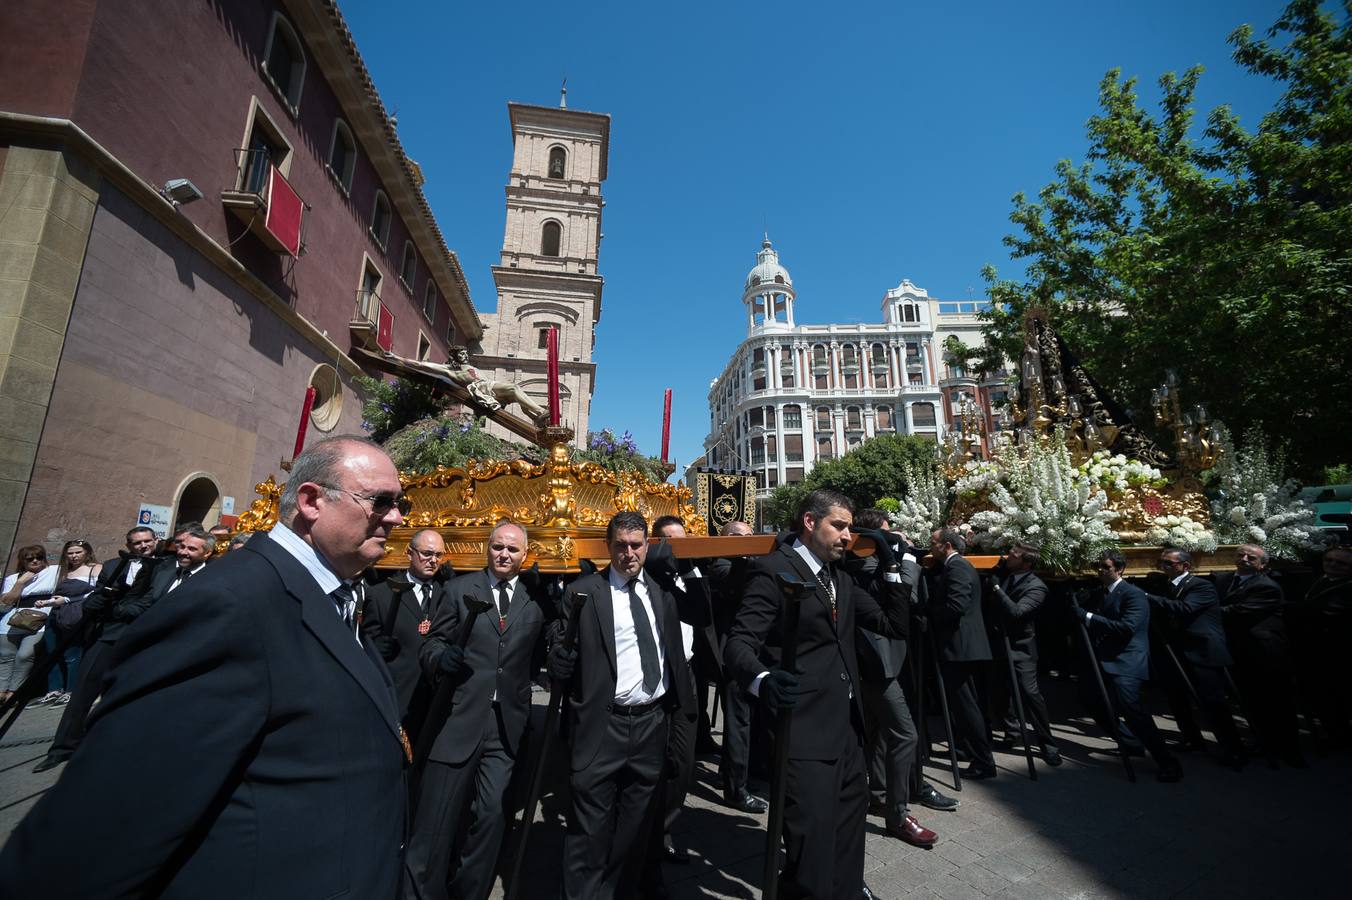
248	744
397	616
1119	630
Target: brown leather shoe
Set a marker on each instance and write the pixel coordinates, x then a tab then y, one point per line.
913	833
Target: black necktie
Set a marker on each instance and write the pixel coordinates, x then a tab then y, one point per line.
345	600
504	600
829	585
647	647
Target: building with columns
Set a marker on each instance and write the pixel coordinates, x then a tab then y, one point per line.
793	395
547	274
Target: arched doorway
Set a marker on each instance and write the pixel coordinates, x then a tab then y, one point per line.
199	500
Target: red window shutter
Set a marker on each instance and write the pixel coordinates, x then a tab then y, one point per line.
385	329
285	210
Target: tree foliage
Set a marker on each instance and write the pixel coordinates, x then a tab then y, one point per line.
873	470
1228	259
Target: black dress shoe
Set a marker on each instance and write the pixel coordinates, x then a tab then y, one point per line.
743	801
49	762
672	854
977	772
1051	756
869	895
932	799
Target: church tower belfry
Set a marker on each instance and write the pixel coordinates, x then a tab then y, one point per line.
547	275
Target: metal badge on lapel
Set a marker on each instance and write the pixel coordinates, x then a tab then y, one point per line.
408	748
424	626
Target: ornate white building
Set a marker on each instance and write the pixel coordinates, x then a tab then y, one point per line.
795	394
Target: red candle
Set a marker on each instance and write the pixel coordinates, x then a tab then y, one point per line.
304	421
666	424
553	345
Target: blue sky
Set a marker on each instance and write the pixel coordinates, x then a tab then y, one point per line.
875	142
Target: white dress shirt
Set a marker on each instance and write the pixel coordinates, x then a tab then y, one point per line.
179	579
628	663
688	631
319	570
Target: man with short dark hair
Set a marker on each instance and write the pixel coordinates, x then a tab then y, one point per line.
1255	630
826	785
397	615
626	675
964	650
1188	620
462	810
1018	596
193	547
247	744
1119	629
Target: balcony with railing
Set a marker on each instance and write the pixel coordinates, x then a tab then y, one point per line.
372	324
266	203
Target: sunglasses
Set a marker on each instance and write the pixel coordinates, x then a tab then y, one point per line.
381	504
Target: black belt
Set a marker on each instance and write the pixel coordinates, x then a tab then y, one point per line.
637	709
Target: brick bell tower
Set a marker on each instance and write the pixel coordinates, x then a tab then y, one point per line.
547	276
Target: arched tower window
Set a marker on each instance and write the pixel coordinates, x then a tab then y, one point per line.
558	160
551	237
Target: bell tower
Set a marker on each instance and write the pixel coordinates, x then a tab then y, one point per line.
547	275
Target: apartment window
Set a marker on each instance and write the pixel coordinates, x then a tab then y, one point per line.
793	475
823	418
424	346
755	417
884	414
908	313
824	448
368	295
771	449
769	417
757	452
380	219
284	61
793	448
854	419
430	304
264	148
793	416
772	477
408	265
542	341
922	414
342	155
551	238
450	332
558	159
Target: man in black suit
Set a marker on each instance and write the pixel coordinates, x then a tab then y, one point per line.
1321	632
462	812
151	582
964	650
397	615
1252	611
1188	619
728	578
1017	597
1120	631
826	782
890	737
247	745
626	675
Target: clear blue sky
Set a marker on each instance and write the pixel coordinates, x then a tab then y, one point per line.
875	141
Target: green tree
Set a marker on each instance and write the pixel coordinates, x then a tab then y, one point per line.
1228	259
873	470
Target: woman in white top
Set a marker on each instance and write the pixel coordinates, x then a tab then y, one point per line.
32	584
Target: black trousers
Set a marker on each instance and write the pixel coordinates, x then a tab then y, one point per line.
680	765
88	685
825	802
615	804
890	742
462	818
1209	682
1125	693
735	762
964	705
1034	706
1265	676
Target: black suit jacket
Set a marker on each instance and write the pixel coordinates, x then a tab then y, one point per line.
1120	631
592	687
500	656
1192	621
1017	609
137	598
830	710
396	614
955	613
1252	612
245	746
881	658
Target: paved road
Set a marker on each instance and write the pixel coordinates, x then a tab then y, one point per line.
1081	831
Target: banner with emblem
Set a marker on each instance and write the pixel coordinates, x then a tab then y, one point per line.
723	497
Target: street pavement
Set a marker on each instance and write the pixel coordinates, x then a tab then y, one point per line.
1080	831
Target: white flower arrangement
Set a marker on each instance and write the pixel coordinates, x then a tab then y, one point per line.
1182	533
979	475
1258	504
924	508
1042	501
1114	472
